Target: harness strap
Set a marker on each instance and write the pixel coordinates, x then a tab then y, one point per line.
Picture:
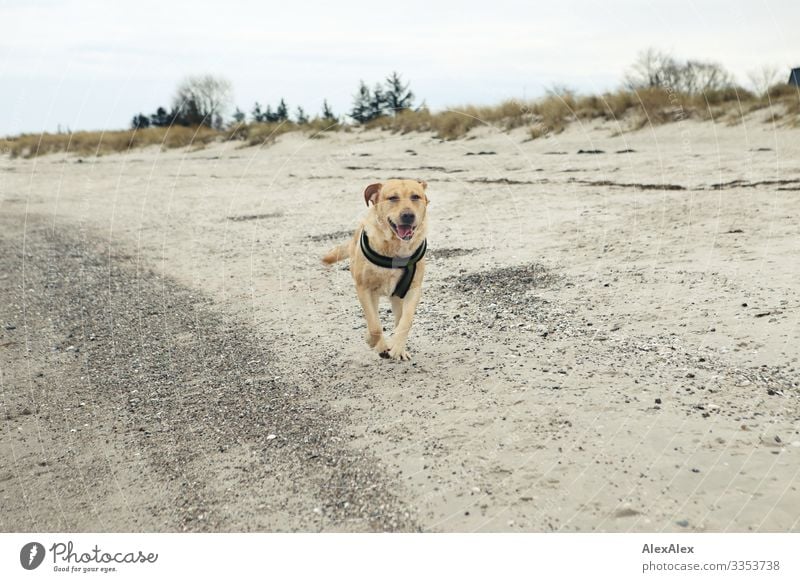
408	264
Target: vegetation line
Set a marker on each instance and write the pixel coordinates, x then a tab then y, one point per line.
658	89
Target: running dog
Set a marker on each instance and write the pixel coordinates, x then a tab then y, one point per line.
387	258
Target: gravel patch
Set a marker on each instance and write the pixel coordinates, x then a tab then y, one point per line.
449	252
330	236
246	217
506	287
193	391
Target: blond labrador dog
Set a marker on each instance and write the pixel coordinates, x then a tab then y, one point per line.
387	259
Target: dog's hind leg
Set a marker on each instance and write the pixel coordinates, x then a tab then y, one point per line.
369	301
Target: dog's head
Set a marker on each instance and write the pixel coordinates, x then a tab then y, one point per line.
399	203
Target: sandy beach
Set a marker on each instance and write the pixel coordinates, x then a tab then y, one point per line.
607	340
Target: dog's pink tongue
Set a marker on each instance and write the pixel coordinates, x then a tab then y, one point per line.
404	231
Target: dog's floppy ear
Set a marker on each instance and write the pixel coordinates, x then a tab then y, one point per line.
371	193
424	185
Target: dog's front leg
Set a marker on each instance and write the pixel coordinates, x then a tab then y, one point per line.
397	343
369	301
397	309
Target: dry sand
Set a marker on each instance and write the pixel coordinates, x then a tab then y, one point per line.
606	342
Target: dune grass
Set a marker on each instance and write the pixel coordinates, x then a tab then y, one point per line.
631	110
254	134
98	143
550	115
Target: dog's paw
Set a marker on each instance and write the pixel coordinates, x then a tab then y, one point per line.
395	354
376	341
381	346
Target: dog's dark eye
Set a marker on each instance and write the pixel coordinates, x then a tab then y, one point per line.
415	197
394	198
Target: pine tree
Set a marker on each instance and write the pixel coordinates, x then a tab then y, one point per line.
189	115
398	97
140	121
361	104
283	111
257	114
378	103
238	115
327	112
270	116
161	118
301	116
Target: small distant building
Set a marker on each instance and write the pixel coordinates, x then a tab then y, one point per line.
794	77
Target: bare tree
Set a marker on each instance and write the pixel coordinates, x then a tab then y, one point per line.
203	100
654	68
701	77
764	78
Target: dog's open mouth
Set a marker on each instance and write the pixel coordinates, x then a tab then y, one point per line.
403	231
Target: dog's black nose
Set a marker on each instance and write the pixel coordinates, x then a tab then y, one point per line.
407	218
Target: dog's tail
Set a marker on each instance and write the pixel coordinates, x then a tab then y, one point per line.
337	253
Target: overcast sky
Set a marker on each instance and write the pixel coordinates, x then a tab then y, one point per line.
92	64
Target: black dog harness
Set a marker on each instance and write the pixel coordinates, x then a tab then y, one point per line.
409	264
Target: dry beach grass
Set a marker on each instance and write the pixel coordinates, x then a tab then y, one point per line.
629	109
